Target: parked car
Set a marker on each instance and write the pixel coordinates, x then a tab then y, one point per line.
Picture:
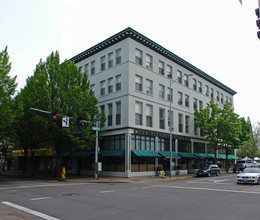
249	175
207	171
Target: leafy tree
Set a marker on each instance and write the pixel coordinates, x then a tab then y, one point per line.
7	90
59	87
251	148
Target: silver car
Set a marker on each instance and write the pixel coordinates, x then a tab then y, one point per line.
249	175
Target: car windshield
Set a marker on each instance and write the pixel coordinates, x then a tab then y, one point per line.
251	170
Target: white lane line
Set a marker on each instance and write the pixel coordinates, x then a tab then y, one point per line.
34	199
109	191
217	181
210	189
148	187
47	185
39	214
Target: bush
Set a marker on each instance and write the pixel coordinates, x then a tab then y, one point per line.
179	167
195	166
159	168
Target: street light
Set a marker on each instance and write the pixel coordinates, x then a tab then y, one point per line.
171	114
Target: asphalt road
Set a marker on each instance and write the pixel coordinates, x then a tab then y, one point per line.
197	198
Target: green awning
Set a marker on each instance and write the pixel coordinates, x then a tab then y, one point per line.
113	153
213	156
223	156
82	154
145	153
202	155
167	154
232	157
187	155
66	154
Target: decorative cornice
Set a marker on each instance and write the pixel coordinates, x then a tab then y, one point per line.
131	33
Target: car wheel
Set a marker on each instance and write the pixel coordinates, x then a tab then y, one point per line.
217	173
258	181
208	174
238	183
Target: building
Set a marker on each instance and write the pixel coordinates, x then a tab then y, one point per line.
130	75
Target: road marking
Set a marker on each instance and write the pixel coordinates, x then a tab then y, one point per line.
217	181
34	199
210	189
109	191
39	214
147	187
47	185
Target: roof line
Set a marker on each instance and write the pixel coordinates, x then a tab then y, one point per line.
131	33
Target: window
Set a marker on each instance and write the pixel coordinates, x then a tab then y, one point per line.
169	71
169	119
138	83
217	95
110	60
206	90
200	87
186	80
149	62
179	98
93	89
195	103
221	98
118	82
103	63
118	56
149	87
138	113
161	67
180	121
110	116
102	111
226	99
92	67
162	118
200	105
194	82
195	130
207	106
161	91
149	116
187	101
110	85
103	88
169	94
179	76
187	124
118	113
211	93
86	67
139	57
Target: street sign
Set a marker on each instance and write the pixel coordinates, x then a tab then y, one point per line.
65	122
95	128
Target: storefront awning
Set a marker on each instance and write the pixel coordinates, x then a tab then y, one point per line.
232	157
145	153
43	152
187	155
213	156
167	154
82	154
113	153
223	156
202	155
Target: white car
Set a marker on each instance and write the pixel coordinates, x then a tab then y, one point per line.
249	175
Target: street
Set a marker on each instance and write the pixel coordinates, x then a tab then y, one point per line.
196	198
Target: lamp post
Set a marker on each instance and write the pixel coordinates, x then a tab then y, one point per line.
171	115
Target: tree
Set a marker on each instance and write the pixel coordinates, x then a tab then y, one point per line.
7	91
59	87
251	148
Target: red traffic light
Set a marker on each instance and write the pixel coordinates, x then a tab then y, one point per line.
53	117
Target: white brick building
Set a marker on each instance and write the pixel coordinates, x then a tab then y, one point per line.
130	76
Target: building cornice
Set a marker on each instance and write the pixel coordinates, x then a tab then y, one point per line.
131	33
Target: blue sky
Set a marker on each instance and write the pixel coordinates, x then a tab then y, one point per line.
218	37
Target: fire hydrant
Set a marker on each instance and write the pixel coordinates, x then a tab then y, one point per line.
163	174
63	173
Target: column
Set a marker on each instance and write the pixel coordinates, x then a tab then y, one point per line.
128	155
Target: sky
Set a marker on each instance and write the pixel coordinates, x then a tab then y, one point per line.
218	37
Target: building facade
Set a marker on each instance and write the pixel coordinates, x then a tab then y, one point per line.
135	79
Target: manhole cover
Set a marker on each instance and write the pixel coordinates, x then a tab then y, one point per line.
71	194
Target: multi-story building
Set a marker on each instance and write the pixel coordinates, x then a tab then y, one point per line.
135	79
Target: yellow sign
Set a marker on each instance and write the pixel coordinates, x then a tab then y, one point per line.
43	152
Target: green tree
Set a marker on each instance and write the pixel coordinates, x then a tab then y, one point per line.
251	148
7	91
63	88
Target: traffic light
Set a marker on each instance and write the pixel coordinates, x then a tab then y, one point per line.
258	21
53	117
79	122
